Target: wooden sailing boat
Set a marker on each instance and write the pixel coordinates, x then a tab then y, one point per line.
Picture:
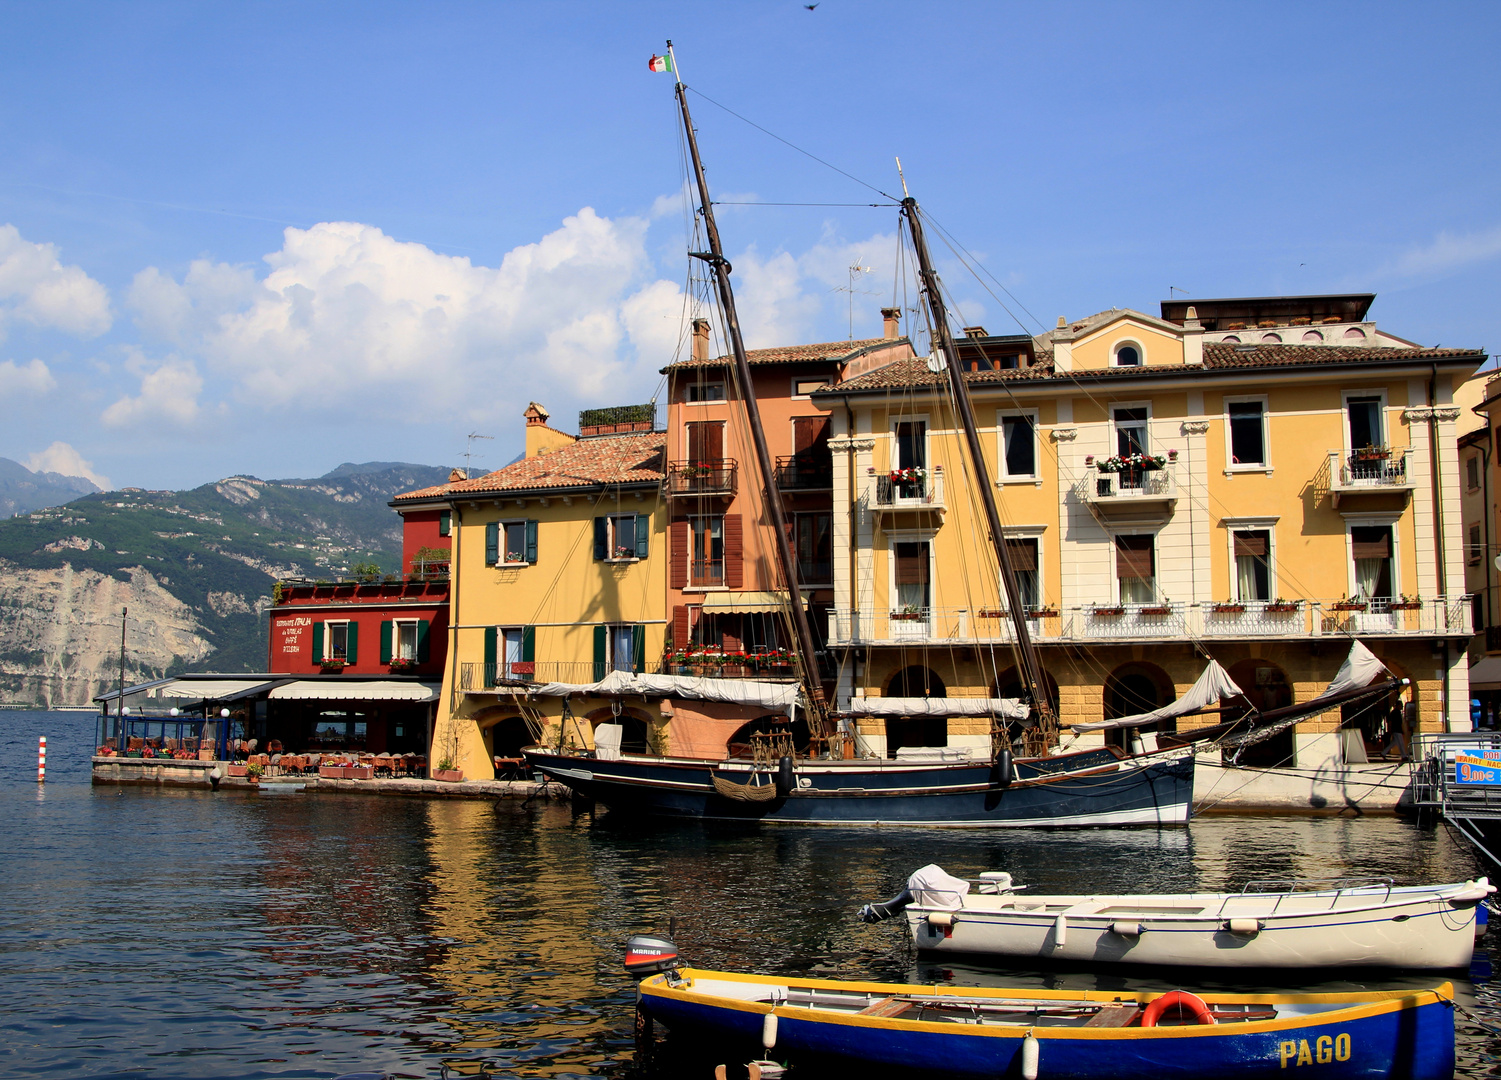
1098	787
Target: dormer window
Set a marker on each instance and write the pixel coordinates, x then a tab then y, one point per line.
1127	355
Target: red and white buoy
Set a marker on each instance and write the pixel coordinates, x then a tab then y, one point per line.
41	760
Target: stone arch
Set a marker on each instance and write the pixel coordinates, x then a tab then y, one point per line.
739	744
1354	333
634	725
1272	338
505	730
1313	336
1009	685
1135	687
1266	686
916	681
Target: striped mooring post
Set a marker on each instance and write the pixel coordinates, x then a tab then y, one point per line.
41	760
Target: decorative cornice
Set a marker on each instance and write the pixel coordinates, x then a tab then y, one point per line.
1446	415
1194	427
1064	434
846	444
1414	413
1443	414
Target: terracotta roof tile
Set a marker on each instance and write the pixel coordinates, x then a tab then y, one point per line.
794	354
636	458
1220	354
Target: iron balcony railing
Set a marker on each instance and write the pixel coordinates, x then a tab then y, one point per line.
715	476
480	677
805	472
1373	469
706	572
919	492
1132	484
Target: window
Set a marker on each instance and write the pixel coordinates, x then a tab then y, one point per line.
911	444
404	639
705	442
510	543
1135	569
1127	355
1023	555
1472	471
911	576
1371	548
618	648
704	391
1477	549
706	554
804	387
1247	432
337	640
1130	431
445	523
1253	578
621	537
1365	427
813	544
1019	446
509	653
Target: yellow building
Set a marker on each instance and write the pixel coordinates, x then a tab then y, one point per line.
558	567
1252	480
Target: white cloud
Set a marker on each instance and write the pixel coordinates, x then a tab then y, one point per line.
35	287
169	392
32	378
1447	252
62	458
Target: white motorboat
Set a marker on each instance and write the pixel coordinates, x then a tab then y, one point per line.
1361	924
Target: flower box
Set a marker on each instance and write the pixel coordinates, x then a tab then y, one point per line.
1043	613
1349	605
1229	609
1405	605
331	772
332	668
1282	608
359	772
907	616
1109	611
1371	454
1158	610
991	613
237	770
448	776
401	664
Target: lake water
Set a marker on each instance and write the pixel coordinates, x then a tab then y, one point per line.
148	932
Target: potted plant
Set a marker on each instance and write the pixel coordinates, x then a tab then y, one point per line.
693	469
1406	603
1106	610
1229	607
913	474
991	613
1372	453
400	664
1046	611
1163	608
1280	605
332	667
624	553
1142	462
254	771
447	772
238	770
908	613
1350	603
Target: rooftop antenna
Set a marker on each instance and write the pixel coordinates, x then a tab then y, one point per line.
469	450
1173	288
855	271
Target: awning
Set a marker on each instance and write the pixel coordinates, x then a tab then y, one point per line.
1485	673
747	601
355	690
779	697
214	689
1009	708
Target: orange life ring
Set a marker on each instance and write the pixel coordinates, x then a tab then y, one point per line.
1183	1000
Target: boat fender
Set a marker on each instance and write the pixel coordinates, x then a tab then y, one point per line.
1004	771
1193	1004
1245	927
941	922
1060	931
1031	1057
874	913
1126	929
1482	917
769	1030
786	778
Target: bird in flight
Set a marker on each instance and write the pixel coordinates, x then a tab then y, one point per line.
810	7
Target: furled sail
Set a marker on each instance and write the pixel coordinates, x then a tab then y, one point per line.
1214	685
775	697
1007	708
1361	668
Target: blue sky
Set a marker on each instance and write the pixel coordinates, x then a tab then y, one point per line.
268	238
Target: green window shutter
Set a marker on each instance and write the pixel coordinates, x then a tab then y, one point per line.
385	641
492	543
643	530
317	642
352	653
490	655
531	541
601	540
638	649
529	644
601	648
424	648
445	523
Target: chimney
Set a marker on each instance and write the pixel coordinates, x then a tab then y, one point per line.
455	475
700	339
535	414
541	439
890	316
1062	322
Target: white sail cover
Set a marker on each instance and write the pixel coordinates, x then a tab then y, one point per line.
1010	708
1212	686
931	887
1361	668
776	697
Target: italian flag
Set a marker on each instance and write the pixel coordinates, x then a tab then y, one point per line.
660	63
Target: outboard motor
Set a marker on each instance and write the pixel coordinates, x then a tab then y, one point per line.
648	955
874	913
786	777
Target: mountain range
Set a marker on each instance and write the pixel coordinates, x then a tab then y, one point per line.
22	490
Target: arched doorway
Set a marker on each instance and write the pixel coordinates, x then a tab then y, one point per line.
1135	688
1267	687
739	744
1380	726
916	681
1009	685
632	728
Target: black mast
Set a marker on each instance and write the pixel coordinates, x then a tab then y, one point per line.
806	646
943	346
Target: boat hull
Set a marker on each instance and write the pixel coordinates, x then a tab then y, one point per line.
1418	928
962	795
1408	1034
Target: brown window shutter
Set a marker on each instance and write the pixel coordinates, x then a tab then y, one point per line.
1133	557
678	574
1371	542
682	630
1250	543
734	553
705	441
809	432
1023	554
911	564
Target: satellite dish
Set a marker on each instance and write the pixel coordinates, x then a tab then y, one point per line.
936	362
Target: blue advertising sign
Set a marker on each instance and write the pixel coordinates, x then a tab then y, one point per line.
1483	767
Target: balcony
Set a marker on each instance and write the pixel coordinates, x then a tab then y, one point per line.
805	472
920	494
1444	616
714	477
1375	471
1132	492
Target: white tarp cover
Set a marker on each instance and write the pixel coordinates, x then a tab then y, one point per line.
354	690
778	697
211	689
931	887
1212	686
1010	708
1361	668
1485	673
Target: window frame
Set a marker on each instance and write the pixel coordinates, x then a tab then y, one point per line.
1037	534
795	395
505	559
1387	520
693	534
1127	343
613	545
695	384
896	537
1475	543
1344	417
1115	568
1263	466
927	439
1117	406
1472	466
1003	473
396	628
328	639
1267	525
